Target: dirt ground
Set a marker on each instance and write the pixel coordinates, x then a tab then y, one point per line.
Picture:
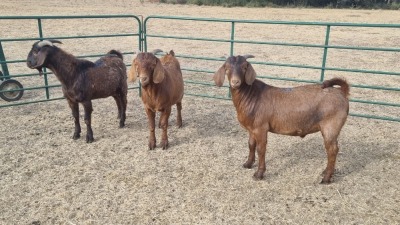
48	178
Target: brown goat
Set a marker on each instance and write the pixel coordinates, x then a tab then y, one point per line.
296	111
162	87
83	80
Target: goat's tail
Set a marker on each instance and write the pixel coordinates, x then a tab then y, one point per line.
115	52
344	86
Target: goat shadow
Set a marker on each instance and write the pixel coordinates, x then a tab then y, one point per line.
353	157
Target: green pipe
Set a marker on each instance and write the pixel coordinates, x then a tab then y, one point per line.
328	29
278	43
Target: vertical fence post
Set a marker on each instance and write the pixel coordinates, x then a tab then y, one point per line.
231	52
6	74
46	83
140	35
232	37
143	45
328	29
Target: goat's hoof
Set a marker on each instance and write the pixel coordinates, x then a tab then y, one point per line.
325	181
76	136
152	145
179	124
258	175
121	125
164	144
248	165
89	139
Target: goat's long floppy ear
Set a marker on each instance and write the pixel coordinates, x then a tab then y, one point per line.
159	72
41	57
219	76
132	72
250	74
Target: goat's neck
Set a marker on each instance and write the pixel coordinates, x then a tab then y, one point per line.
246	98
64	66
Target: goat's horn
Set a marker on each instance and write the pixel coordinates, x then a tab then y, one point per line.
48	43
44	43
55	41
248	56
155	51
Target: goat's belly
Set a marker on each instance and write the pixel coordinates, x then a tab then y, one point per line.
295	131
102	94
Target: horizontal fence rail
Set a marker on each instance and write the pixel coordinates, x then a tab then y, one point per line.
41	30
323	68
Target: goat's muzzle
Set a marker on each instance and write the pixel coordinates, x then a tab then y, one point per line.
144	80
32	65
235	83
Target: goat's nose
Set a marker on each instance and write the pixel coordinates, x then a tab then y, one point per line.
235	82
29	62
143	79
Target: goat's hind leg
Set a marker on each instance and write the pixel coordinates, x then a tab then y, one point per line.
121	101
179	114
75	113
88	120
332	149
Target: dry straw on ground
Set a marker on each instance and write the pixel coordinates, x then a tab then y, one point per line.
48	178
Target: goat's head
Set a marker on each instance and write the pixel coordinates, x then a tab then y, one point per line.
38	54
147	67
238	70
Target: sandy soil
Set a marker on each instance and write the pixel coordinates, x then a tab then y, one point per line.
48	178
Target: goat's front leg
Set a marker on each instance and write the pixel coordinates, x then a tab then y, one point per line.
252	152
75	113
151	116
261	146
88	120
164	125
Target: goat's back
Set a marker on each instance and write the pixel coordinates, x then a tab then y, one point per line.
107	77
174	75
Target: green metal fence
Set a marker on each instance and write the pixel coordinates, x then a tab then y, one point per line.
148	35
325	47
43	27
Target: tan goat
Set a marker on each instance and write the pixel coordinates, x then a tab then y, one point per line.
296	111
162	87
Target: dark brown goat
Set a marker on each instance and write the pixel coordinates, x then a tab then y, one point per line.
296	111
83	80
162	87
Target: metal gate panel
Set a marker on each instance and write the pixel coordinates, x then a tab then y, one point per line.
325	49
125	36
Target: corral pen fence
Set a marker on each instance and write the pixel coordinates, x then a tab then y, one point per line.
35	28
285	53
